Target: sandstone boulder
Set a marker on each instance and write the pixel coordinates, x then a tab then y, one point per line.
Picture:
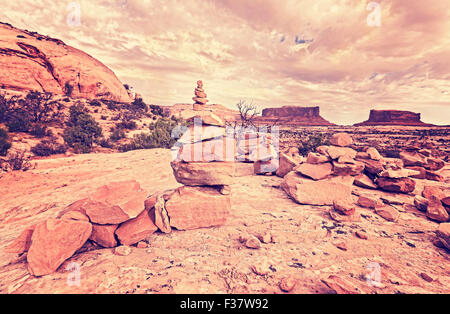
443	233
388	212
196	133
210	173
315	171
373	153
403	173
104	235
53	241
136	229
412	159
266	167
364	181
286	164
22	243
397	185
316	158
197	207
323	192
341	139
115	203
218	149
435	210
348	169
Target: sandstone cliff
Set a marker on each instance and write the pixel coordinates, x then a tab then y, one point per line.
393	117
292	115
30	61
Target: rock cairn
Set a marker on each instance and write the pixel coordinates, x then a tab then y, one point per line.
200	97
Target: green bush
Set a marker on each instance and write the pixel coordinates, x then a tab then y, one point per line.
117	134
311	142
4	142
18	121
82	130
39	131
160	136
48	148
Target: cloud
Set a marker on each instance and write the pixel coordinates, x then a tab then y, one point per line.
162	47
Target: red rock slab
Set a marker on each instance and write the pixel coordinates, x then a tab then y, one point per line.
208	173
340	285
54	241
136	229
22	243
218	149
398	185
197	207
115	203
104	235
315	171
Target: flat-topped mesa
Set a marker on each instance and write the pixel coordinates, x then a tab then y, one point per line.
200	97
393	117
293	115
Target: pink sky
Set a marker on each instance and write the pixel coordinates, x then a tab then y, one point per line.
340	63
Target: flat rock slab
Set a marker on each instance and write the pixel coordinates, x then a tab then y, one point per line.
197	207
54	241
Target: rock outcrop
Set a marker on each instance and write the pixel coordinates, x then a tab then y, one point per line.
30	61
393	117
292	115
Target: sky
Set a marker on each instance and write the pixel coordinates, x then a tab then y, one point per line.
346	56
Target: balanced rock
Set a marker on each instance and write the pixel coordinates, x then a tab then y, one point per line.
198	173
197	207
196	133
200	96
53	241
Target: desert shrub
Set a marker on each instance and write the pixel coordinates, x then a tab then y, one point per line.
40	107
139	105
117	134
112	105
127	125
156	110
160	136
5	144
3	108
18	121
48	148
311	142
95	103
16	161
104	117
106	143
82	130
39	130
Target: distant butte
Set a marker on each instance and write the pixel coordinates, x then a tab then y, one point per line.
393	117
293	115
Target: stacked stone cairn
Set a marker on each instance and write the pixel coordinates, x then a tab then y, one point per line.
200	97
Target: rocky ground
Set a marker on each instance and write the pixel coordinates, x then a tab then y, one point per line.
301	246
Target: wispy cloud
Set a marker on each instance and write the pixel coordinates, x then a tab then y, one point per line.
253	50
